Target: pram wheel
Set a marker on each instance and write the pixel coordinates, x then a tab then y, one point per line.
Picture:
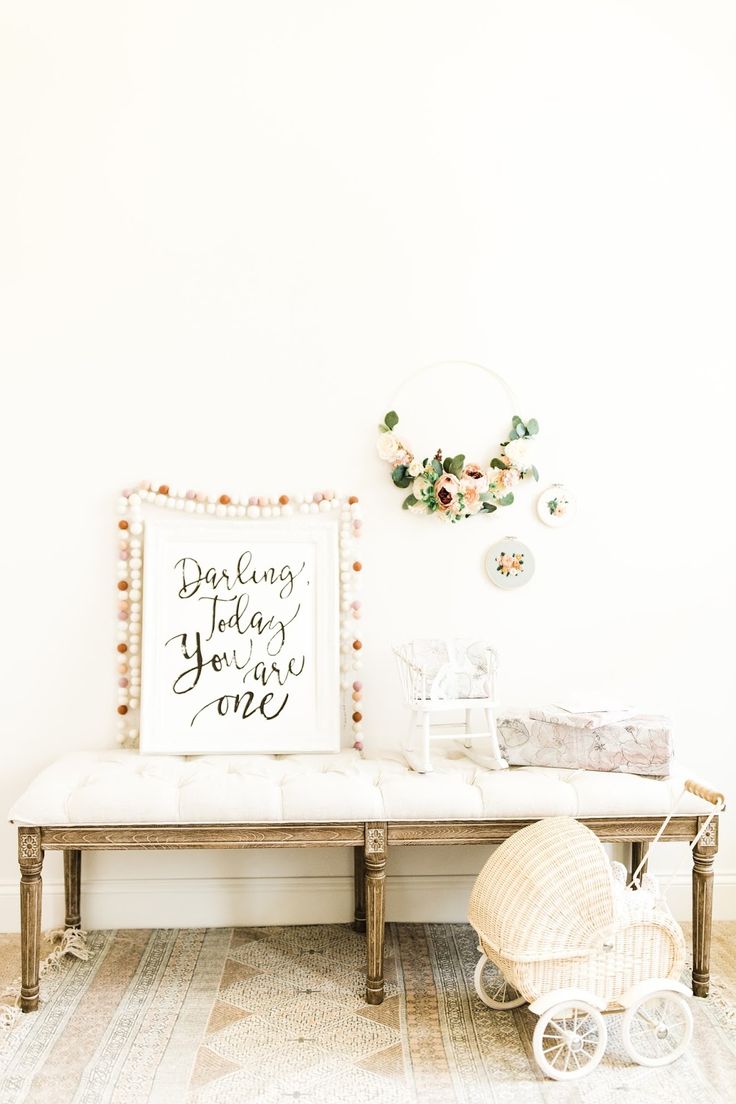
569	1040
492	987
657	1029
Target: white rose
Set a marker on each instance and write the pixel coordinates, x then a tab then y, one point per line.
389	446
415	469
421	483
520	453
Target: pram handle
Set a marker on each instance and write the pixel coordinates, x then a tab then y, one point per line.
690	786
713	796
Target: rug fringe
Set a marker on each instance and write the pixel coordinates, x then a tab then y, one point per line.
72	942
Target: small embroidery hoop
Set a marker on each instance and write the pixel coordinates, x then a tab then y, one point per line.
515	582
543	511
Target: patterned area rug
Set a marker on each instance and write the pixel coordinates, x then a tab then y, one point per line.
266	1015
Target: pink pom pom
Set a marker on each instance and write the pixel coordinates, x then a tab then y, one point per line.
357	686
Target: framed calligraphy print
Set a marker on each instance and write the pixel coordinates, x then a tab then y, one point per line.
240	642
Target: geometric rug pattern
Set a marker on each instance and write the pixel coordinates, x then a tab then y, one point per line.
277	1016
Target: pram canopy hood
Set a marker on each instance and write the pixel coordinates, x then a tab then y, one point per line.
546	892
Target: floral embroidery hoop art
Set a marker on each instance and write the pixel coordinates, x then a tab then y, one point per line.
451	486
509	563
556	505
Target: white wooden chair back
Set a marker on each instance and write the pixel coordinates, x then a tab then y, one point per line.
446	670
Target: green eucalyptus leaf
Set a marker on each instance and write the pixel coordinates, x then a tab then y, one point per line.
532	427
516	420
398	474
521	430
488	507
535	473
513	435
458	462
410	500
391	419
506	500
496	463
448	463
437	466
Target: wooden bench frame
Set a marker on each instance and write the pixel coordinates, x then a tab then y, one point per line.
371	843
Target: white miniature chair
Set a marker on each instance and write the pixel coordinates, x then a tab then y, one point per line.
446	676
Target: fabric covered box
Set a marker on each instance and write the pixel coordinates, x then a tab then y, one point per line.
551	737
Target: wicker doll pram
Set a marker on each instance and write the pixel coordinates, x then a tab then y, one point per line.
558	929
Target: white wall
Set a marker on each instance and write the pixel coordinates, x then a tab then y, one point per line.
228	231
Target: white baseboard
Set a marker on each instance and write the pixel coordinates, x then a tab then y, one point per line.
222	902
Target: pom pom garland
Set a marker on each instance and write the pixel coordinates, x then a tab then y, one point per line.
129	583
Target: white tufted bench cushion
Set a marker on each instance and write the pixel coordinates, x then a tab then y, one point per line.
126	788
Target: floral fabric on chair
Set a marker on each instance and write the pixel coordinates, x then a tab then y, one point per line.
453	668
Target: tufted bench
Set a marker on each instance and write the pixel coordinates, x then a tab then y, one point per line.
119	800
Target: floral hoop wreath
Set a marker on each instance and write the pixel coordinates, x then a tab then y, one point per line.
450	486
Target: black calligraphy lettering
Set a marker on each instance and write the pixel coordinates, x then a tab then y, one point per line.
210	650
243	704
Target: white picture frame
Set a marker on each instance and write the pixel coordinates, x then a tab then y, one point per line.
240	636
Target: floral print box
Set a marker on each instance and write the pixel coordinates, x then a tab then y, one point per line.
551	738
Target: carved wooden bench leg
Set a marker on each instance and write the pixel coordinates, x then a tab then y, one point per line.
30	858
72	889
703	857
375	878
359	876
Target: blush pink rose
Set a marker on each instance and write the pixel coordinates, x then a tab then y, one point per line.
446	491
474	475
471	496
505	479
